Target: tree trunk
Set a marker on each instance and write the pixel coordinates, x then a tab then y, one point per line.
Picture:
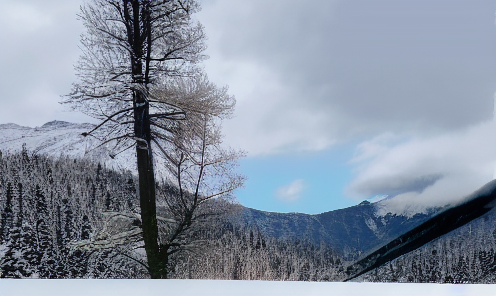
157	268
148	212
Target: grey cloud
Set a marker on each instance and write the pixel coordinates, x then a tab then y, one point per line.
331	69
395	186
41	46
370	65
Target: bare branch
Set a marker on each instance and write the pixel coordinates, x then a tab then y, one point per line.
135	260
170	115
173	161
106	120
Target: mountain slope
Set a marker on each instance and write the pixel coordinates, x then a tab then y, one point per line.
54	138
350	231
272	246
478	204
57	138
464	255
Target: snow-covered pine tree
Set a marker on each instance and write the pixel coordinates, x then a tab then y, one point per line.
7	220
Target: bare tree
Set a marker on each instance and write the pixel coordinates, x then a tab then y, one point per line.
138	75
200	176
203	176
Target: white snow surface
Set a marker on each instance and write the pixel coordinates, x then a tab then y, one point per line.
372	226
229	288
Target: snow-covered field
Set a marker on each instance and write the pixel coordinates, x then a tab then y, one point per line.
231	288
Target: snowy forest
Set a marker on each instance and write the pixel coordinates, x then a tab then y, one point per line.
65	217
466	255
51	207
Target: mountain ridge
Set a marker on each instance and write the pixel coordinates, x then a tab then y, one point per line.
351	231
475	206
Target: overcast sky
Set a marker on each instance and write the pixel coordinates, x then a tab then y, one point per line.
337	100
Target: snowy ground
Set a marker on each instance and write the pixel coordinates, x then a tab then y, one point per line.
231	288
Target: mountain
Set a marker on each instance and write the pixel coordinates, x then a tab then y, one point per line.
54	138
444	232
350	232
60	138
48	203
62	200
464	255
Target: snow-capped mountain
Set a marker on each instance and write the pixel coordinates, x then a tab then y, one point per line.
55	138
476	206
349	231
425	239
60	138
464	255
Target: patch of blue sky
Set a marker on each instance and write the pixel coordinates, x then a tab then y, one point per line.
317	180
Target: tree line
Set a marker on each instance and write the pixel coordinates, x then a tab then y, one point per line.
465	255
64	218
46	204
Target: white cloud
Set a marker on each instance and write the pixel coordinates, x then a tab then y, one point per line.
290	192
426	171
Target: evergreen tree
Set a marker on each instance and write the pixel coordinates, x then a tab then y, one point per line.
45	252
130	194
7	220
20	258
85	228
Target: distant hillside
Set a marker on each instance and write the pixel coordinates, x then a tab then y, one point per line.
50	205
466	254
58	189
46	204
54	138
350	231
60	138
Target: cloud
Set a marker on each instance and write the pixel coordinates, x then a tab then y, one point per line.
40	49
309	74
424	171
291	192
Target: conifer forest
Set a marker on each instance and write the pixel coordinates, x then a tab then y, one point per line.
73	218
50	207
